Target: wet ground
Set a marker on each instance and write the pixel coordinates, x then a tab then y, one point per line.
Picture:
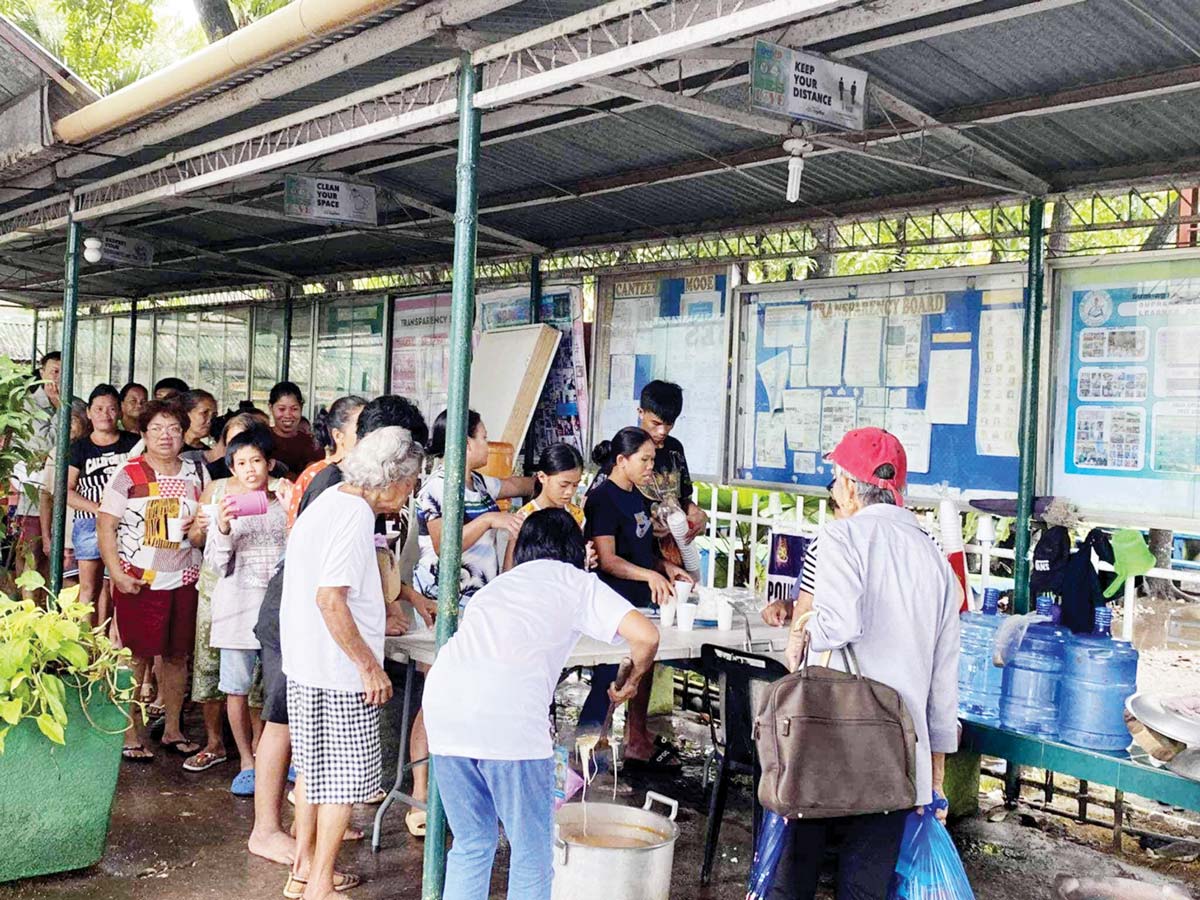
181	836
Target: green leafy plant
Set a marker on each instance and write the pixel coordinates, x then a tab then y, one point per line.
48	650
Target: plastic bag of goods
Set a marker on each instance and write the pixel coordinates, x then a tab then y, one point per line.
929	867
772	836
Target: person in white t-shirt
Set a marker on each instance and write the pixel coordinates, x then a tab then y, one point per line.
332	621
487	701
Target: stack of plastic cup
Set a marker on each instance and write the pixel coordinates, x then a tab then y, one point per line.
678	523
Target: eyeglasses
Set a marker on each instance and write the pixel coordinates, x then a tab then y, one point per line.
159	430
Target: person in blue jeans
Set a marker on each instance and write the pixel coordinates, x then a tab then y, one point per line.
487	701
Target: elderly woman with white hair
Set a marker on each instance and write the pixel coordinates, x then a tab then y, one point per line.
331	632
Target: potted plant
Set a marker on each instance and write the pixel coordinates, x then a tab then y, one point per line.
64	693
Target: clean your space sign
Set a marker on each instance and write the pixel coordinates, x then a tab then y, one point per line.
805	86
329	199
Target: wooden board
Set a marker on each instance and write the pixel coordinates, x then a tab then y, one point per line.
507	377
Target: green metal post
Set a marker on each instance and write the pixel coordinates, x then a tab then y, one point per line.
58	532
132	338
285	365
34	358
462	311
535	288
1027	434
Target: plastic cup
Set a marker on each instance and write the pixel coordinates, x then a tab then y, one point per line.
686	616
211	510
724	615
175	531
683	590
251	504
666	614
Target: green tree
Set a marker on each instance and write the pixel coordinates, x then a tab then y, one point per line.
108	43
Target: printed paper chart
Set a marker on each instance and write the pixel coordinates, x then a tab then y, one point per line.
938	367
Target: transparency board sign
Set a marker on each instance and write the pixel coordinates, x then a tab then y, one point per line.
805	86
329	200
1129	405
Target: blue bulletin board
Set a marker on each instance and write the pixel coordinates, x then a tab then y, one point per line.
672	326
1128	404
935	360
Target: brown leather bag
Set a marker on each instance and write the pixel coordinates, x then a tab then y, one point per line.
833	743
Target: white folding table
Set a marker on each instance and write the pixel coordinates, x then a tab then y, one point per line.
673	646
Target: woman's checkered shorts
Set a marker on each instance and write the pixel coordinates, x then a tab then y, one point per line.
335	744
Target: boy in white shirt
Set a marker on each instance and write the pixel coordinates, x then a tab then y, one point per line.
487	702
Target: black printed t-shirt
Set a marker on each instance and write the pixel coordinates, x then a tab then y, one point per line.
669	459
625	517
96	465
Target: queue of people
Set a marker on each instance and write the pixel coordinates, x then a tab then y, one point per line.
192	534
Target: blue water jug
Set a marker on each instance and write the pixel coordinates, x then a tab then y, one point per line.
978	677
1031	687
1099	676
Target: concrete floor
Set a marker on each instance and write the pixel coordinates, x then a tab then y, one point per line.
181	836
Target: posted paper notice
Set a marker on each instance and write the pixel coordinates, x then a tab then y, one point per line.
802	413
827	341
770	451
864	347
998	395
785	325
838	415
774	375
912	427
948	394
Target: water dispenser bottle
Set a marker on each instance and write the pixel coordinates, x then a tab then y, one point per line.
1099	676
978	677
1031	686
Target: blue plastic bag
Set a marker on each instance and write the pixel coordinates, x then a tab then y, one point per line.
929	867
771	837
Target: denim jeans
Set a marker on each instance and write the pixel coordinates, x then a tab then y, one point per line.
479	794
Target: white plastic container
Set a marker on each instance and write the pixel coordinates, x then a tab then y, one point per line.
678	524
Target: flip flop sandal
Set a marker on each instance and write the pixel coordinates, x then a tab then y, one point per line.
155	711
415	820
342	881
663	761
137	754
199	762
182	747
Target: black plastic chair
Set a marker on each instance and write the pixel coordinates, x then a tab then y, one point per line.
740	677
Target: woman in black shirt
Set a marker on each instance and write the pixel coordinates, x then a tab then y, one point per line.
92	460
618	521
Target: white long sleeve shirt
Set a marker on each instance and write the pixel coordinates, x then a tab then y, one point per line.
883	586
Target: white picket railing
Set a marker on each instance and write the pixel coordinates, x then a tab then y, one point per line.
731	520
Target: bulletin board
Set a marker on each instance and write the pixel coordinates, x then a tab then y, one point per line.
1127	398
672	326
936	360
562	411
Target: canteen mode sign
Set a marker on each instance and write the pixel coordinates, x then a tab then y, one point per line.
806	86
329	200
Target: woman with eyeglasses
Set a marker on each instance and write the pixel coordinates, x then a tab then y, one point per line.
142	528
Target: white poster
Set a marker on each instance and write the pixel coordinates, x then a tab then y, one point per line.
329	199
912	428
838	415
1174	437
802	413
785	325
864	345
1176	365
774	375
903	351
998	396
769	441
827	340
621	377
948	394
798	373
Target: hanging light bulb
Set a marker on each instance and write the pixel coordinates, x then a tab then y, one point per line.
92	249
797	148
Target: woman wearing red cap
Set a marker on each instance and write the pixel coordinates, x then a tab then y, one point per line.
883	586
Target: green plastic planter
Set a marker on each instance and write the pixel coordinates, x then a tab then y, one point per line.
55	801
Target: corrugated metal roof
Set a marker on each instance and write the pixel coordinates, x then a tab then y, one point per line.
1031	56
